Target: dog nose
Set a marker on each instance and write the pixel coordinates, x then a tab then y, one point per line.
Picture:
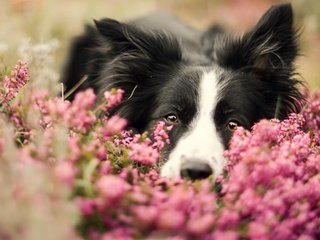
195	169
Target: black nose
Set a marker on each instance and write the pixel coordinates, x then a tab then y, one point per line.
195	169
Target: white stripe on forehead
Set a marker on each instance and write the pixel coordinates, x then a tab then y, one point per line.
208	94
201	142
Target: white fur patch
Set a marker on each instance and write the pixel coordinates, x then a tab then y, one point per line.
201	142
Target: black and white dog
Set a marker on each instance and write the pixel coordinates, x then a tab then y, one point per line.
204	83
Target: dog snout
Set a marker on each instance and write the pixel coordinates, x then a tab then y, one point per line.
195	169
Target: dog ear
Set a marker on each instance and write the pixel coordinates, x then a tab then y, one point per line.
271	44
127	38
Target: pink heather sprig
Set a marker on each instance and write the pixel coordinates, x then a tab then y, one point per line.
17	113
141	150
311	114
14	82
78	116
113	98
160	135
112	126
124	138
111	188
52	110
146	152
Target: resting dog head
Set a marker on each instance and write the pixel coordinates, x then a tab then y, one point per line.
204	90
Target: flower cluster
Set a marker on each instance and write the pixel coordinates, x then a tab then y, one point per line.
146	151
274	181
67	172
311	114
12	83
160	135
113	98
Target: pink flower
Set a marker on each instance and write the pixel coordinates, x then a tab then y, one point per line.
112	187
160	135
84	100
225	235
200	225
258	231
18	78
79	115
228	219
86	206
74	148
171	220
65	172
112	126
105	168
113	97
120	233
311	115
143	153
124	138
146	215
174	238
80	119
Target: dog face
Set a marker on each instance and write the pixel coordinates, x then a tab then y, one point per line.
204	91
198	139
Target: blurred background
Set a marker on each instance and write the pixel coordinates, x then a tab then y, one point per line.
55	22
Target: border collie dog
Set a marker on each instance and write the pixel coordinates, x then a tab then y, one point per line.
205	83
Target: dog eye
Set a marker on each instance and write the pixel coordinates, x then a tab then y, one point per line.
232	125
171	119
